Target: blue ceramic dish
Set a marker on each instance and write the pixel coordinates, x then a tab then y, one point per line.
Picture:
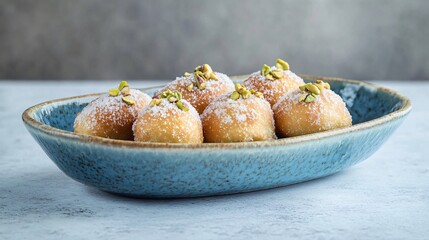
163	170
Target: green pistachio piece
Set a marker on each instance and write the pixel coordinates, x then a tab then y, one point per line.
207	75
302	88
198	68
186	74
312	88
197	82
277	74
327	86
269	77
113	92
201	74
122	84
238	87
177	94
171	96
324	84
172	99
206	68
165	93
265	70
213	76
302	97
200	79
182	107
310	98
246	94
283	65
235	95
128	100
155	102
321	87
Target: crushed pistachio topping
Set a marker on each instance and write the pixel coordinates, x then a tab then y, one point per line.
155	102
311	90
124	90
182	107
265	70
241	91
281	64
201	75
128	100
114	92
277	74
122	85
269	74
172	97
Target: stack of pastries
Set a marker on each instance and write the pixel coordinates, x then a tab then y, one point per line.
206	106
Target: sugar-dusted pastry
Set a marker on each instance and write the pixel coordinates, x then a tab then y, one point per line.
201	87
112	115
241	116
311	108
274	82
168	119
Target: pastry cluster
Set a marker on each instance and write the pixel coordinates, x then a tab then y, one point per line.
206	106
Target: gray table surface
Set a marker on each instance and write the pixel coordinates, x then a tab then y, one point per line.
385	197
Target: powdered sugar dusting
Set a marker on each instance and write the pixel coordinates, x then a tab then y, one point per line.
274	89
327	106
165	109
241	117
110	110
165	122
229	114
229	110
201	98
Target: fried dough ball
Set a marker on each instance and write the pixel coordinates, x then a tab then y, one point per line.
274	82
168	119
311	108
241	116
112	115
201	87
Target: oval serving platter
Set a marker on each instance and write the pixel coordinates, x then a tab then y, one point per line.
162	170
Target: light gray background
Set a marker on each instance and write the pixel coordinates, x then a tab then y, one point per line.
131	39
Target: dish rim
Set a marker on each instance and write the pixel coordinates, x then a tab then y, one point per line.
404	110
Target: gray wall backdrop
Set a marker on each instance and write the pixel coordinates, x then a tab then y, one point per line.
131	39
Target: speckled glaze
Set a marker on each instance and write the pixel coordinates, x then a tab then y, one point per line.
163	170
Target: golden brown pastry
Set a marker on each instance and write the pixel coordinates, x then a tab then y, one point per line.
311	108
241	116
274	82
201	87
169	119
112	115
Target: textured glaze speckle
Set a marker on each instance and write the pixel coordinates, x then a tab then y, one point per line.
189	170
